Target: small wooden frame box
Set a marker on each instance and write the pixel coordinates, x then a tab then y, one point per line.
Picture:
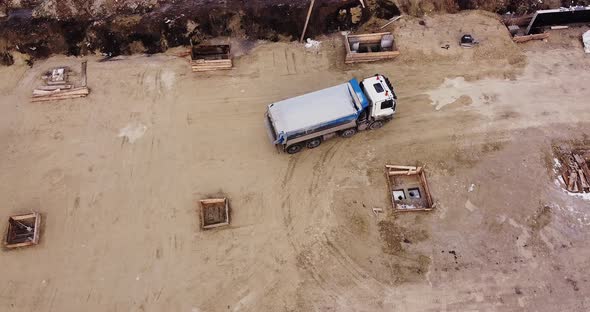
369	47
214	213
23	230
408	188
211	57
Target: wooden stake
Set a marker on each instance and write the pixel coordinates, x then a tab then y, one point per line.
84	78
307	20
391	20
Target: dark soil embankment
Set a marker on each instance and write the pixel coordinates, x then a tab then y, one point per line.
153	29
75	27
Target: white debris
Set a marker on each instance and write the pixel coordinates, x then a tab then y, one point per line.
584	196
133	132
312	44
403	206
470	206
586	39
556	163
471	188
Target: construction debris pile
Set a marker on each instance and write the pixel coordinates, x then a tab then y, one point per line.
575	171
58	87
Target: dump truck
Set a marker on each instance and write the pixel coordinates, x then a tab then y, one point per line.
308	120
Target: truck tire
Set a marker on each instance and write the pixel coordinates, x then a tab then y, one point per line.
348	133
294	149
313	143
376	125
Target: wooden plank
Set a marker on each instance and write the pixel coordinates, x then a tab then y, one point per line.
413	210
212	201
394	173
374	55
390	189
401	167
424	183
521	39
583	182
566	178
572	181
212	65
347	44
369	59
59	93
349	60
66	97
581	161
371	35
210	69
391	20
52	88
202	61
307	20
84	76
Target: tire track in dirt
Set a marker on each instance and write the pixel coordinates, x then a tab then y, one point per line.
324	266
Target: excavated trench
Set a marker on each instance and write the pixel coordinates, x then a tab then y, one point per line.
39	29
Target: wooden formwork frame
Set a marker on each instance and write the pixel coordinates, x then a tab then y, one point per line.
220	61
212	201
36	230
395	170
352	58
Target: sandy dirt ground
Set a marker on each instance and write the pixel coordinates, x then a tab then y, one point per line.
117	177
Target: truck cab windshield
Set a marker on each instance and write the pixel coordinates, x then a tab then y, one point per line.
379	88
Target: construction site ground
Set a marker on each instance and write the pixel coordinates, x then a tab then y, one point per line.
117	177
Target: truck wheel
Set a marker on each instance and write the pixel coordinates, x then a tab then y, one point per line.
294	149
376	125
313	143
348	133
